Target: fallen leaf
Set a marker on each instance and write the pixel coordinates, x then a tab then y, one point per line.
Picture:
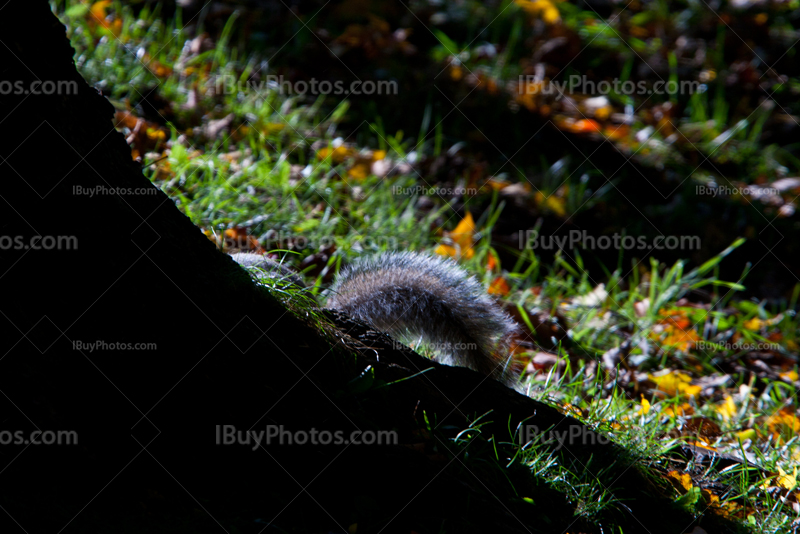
727	409
499	287
674	383
463	237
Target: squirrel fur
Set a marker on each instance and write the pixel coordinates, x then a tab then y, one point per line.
412	297
263	267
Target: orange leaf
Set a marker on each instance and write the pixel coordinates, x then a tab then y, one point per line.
586	126
359	171
617	132
783	424
337	154
499	287
463	238
99	17
491	263
126	119
497	184
238	238
680	339
464	233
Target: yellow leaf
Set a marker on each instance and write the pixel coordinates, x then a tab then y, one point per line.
691	391
464	232
683	480
540	8
754	324
790	376
446	250
453	252
550	14
603	113
786	481
727	409
645	406
156	134
683	409
744	435
551	203
674	383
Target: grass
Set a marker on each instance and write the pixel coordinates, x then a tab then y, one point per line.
263	171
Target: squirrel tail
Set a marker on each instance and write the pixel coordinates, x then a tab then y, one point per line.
415	296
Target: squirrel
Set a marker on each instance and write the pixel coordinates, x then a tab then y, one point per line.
413	296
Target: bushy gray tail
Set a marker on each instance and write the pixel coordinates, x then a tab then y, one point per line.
416	296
